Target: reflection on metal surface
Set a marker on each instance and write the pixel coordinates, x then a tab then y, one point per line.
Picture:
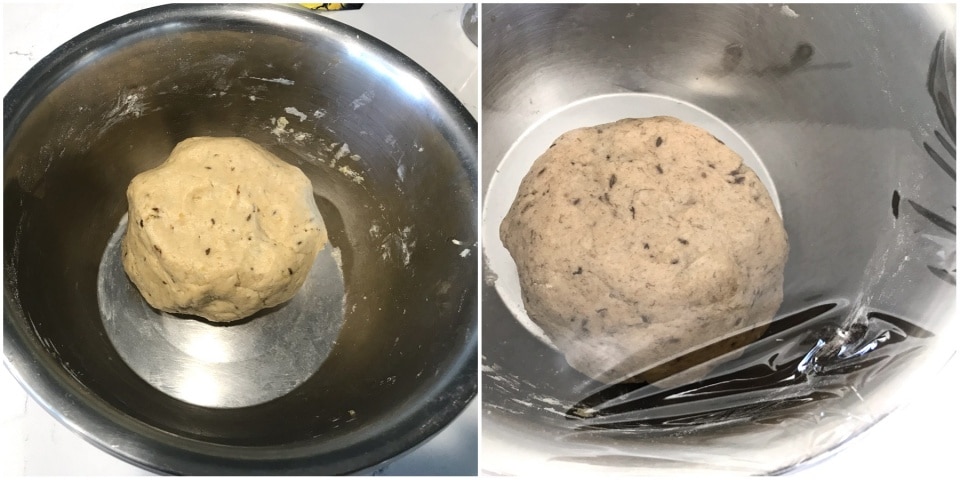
407	82
199	386
229	365
941	81
469	20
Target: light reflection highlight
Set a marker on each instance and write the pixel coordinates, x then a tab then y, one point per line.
406	81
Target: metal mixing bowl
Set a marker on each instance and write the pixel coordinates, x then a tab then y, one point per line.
849	112
382	360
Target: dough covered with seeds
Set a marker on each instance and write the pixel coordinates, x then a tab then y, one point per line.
642	240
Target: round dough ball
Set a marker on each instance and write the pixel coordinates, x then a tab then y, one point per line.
222	229
641	240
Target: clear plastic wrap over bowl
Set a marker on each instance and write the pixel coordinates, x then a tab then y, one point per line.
851	111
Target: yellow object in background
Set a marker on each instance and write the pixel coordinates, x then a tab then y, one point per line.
329	7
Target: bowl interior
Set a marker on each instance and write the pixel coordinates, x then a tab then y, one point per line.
853	120
392	158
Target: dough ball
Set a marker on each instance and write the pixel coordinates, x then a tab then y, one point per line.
641	240
222	229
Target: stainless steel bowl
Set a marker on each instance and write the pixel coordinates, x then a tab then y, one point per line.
850	111
378	354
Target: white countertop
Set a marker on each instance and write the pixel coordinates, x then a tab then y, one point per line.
31	441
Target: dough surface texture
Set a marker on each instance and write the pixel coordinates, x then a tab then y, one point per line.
642	240
221	230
